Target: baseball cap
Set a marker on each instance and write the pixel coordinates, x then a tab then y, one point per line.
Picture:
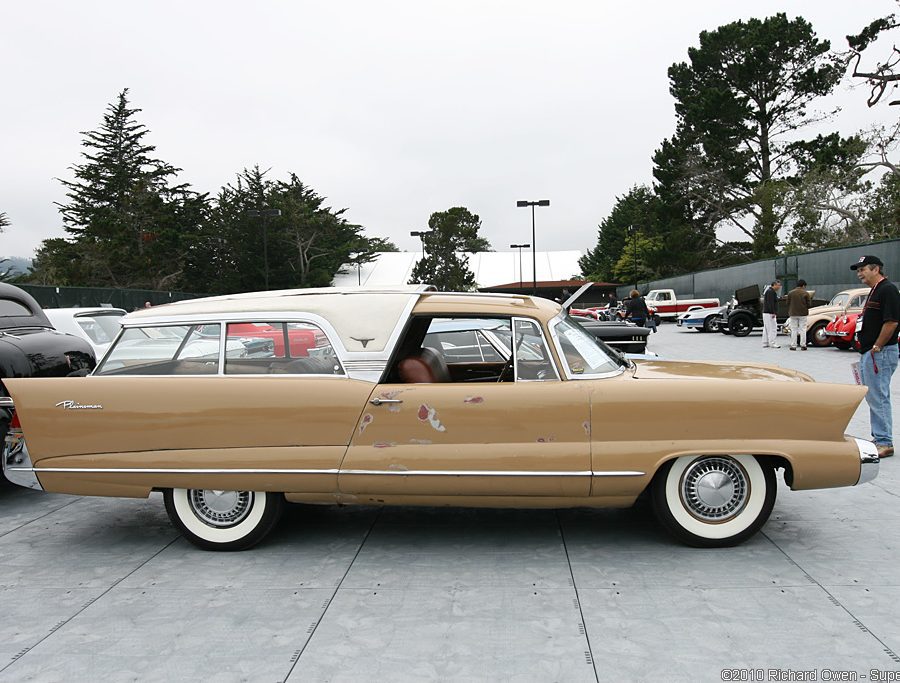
867	261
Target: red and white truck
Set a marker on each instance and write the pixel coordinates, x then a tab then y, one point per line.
669	305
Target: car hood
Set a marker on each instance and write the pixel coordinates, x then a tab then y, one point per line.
826	310
669	369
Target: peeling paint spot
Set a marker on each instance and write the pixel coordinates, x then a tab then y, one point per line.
473	399
429	415
366	421
546	439
587	427
394	407
391	394
422	442
398	468
384	444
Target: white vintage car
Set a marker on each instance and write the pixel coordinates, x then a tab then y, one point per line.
98	325
396	403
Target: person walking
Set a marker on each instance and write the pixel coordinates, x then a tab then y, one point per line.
798	311
878	346
636	308
770	315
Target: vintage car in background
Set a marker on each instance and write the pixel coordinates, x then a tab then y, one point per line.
702	319
31	347
98	326
744	311
843	303
399	409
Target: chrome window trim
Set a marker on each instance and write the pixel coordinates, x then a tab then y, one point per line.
558	318
540	329
225	319
401	473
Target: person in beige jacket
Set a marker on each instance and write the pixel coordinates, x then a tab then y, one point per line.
798	310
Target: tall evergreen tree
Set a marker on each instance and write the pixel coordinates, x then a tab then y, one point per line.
747	89
446	266
124	217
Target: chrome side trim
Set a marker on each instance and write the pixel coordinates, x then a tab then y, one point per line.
6	402
142	470
868	461
17	463
404	473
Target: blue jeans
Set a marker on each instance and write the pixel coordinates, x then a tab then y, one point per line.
879	395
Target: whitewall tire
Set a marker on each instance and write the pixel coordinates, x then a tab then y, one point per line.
714	500
223	520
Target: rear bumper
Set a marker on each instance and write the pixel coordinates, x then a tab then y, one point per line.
16	462
868	461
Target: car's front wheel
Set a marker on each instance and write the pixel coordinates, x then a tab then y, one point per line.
711	324
223	520
713	501
740	325
817	336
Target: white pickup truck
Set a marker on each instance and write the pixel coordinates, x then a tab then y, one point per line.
668	305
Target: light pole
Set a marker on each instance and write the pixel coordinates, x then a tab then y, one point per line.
520	247
523	203
421	235
632	232
355	258
264	214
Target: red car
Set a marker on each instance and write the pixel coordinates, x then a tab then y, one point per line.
302	337
842	331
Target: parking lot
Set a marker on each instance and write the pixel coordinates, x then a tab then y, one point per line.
105	589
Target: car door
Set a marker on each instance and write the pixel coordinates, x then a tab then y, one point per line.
519	438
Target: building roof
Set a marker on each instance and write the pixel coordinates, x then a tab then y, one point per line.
491	268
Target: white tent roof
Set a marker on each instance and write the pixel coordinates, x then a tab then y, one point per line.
491	268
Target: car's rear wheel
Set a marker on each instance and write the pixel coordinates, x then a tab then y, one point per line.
223	520
713	501
816	334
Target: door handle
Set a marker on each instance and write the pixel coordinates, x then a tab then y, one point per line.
379	401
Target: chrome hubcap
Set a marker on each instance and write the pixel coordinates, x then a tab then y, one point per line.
715	489
220	509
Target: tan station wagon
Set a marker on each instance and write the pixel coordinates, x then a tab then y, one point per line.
414	397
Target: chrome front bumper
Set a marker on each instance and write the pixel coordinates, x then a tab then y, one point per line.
868	461
17	463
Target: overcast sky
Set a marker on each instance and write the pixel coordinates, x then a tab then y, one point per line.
391	109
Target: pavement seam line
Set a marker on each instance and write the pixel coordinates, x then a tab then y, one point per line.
587	638
47	514
857	622
84	607
312	633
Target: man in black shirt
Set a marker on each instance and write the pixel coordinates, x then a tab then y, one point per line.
878	346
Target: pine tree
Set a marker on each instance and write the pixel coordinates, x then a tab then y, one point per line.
124	216
444	266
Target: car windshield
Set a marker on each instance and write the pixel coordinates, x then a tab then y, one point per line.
839	300
582	353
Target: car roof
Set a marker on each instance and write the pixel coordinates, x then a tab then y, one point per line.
364	319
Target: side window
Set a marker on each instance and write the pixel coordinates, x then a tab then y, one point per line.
533	361
279	348
164	350
469	340
662	296
12	308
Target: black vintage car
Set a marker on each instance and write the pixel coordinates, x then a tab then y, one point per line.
626	337
30	347
744	312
